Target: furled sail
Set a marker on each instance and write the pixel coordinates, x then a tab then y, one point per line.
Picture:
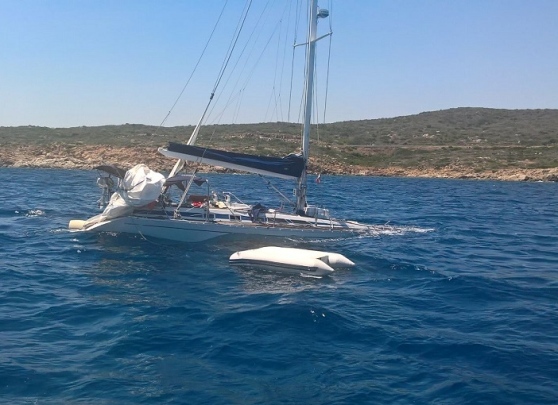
288	167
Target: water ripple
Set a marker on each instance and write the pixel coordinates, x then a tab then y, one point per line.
452	300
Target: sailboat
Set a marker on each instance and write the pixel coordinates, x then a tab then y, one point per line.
141	202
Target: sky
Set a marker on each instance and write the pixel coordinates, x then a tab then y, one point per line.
67	63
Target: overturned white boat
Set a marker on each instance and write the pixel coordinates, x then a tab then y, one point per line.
291	260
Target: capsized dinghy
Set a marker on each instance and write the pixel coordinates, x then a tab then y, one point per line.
291	260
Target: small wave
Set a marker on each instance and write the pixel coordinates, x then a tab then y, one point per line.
267	282
378	230
370	231
35	213
59	231
309	276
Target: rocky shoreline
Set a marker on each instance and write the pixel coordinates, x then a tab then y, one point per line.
89	156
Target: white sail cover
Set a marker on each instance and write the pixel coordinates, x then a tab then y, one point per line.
287	167
140	186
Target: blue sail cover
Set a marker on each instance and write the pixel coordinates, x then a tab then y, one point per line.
290	166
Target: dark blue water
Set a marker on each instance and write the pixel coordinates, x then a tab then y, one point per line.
457	303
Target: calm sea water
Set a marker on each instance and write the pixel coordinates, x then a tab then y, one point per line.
456	303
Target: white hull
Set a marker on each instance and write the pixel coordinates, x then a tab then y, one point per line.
183	230
141	203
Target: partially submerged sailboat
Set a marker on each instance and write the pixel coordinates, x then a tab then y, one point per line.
142	203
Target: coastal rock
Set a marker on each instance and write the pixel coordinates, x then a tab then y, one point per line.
88	156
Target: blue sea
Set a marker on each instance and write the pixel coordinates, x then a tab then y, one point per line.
455	301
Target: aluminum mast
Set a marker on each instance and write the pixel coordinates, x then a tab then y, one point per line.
314	13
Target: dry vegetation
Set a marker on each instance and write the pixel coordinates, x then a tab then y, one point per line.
472	140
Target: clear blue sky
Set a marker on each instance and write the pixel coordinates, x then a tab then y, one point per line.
67	63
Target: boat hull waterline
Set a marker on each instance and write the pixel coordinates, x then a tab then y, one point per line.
181	230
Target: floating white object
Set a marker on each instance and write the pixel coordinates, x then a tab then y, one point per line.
311	262
76	224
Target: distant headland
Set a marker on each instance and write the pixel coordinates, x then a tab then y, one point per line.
467	143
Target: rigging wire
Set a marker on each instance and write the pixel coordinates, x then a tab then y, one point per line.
231	47
226	61
284	58
297	18
274	96
315	101
251	72
279	67
180	163
239	95
239	58
238	104
195	68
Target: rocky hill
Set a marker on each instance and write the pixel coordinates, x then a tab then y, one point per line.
456	143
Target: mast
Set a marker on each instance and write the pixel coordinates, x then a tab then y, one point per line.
308	95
